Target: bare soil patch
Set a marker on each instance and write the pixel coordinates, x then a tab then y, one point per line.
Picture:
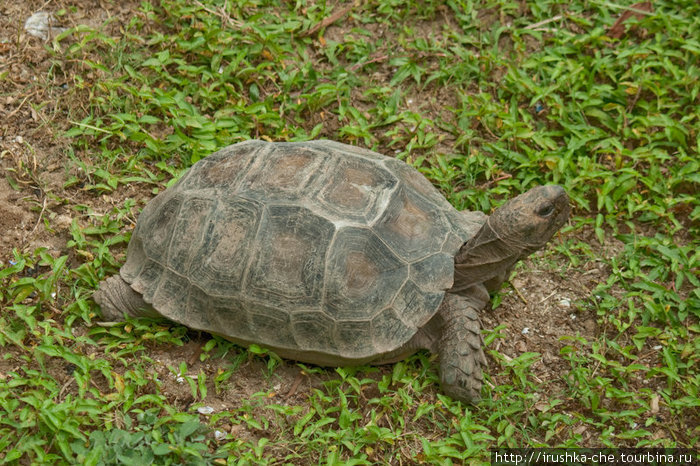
35	105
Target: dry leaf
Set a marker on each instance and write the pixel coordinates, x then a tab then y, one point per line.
617	30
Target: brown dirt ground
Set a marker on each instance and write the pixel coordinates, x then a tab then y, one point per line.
36	211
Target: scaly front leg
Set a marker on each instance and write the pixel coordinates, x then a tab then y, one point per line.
460	348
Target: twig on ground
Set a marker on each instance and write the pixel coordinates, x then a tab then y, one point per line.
36	225
546	21
517	291
374	60
490	183
638	10
19	106
328	21
547	297
295	385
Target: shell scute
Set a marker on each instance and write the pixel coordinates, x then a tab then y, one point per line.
289	257
270	325
357	190
183	249
387	327
363	275
412	297
159	227
221	261
313	330
429	272
282	174
411	226
352	337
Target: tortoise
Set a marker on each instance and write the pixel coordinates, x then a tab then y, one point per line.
328	254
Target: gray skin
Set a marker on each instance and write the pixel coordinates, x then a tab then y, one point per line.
486	250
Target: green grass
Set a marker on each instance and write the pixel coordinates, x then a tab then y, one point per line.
485	98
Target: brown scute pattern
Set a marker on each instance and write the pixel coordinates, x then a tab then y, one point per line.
223	169
171	292
159	226
231	318
198	299
289	262
135	255
183	248
411	226
282	174
357	251
351	192
222	261
418	183
147	281
362	273
318	246
429	272
412	297
354	337
313	331
271	325
221	172
356	190
387	328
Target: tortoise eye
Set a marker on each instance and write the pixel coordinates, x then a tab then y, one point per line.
546	210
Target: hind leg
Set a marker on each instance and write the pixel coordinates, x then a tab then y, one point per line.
116	298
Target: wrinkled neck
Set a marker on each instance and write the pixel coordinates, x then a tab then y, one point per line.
485	258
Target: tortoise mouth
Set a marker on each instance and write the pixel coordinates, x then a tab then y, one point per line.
562	207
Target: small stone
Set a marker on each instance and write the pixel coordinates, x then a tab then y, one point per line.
654	404
206	410
218	435
40	25
63	222
565	302
525	331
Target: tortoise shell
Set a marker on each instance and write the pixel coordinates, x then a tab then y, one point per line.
316	247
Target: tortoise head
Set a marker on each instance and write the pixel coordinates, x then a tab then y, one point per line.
514	231
528	221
